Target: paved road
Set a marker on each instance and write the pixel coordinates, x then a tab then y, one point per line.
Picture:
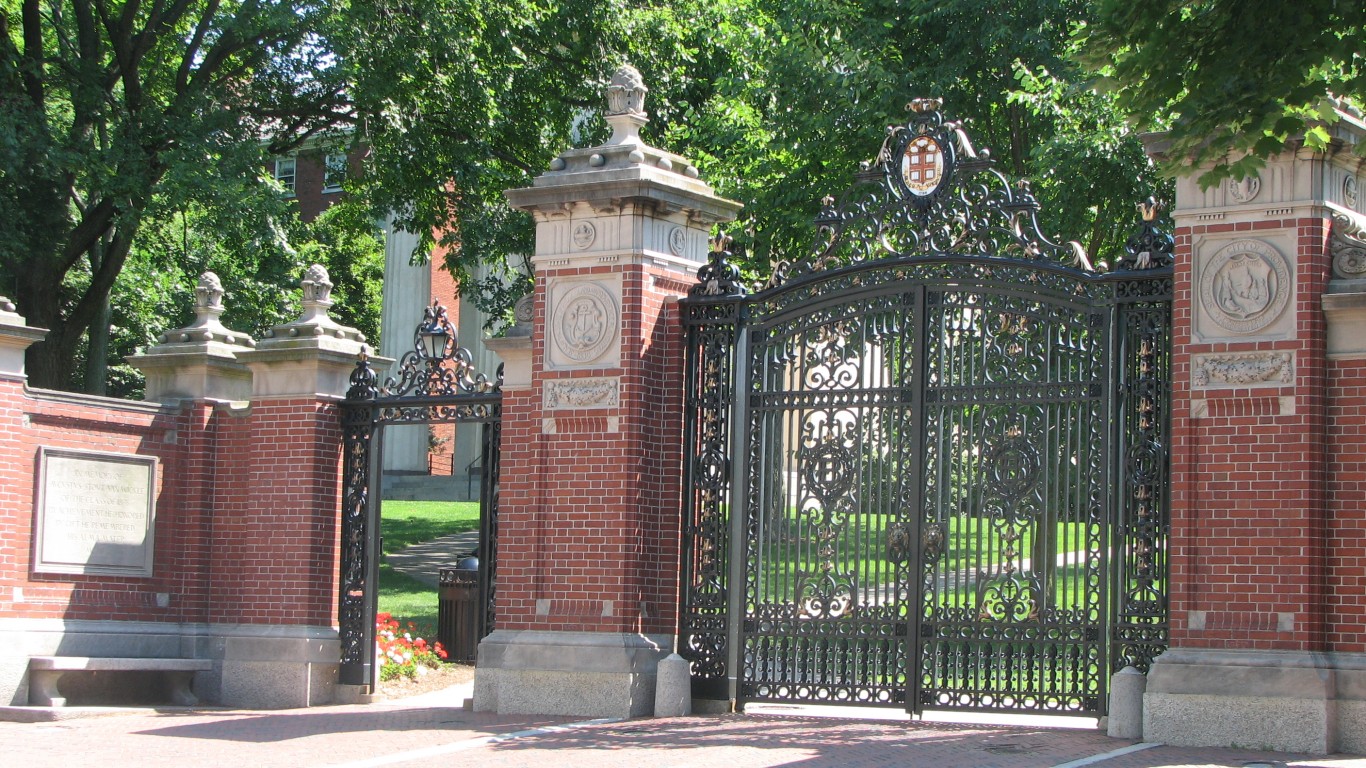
434	730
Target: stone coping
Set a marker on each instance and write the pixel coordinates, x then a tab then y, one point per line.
118	664
1257	658
99	401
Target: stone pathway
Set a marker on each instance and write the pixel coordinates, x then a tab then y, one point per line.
435	730
423	561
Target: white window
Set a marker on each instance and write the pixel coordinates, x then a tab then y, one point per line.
284	173
334	170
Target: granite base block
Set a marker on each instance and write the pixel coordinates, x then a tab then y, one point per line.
575	674
1285	701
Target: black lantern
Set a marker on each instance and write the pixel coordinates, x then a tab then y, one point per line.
433	336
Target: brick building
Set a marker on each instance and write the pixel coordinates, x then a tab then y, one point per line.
312	177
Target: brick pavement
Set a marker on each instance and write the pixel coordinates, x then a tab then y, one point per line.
433	732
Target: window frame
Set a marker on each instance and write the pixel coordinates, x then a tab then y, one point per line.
292	175
333	176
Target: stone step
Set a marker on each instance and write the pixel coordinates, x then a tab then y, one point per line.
430	487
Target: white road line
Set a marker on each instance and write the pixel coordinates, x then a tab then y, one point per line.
461	746
1109	755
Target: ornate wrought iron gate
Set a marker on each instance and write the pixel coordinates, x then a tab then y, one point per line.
927	464
436	383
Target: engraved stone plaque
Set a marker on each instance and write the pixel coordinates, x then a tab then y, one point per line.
1245	287
583	328
94	513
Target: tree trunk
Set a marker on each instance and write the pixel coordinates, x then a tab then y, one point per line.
51	362
97	352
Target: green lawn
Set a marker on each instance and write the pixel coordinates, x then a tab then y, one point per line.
402	524
861	551
405	523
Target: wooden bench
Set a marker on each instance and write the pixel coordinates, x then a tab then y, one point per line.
45	672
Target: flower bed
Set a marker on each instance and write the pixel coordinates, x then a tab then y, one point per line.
401	654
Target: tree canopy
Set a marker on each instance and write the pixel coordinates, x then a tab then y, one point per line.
108	105
134	133
1232	81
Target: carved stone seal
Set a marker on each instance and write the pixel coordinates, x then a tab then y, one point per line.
1244	190
584	234
1245	286
585	323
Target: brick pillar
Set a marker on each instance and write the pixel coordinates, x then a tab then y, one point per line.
277	534
590	480
16	496
1252	577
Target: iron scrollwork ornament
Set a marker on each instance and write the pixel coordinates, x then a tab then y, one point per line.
928	192
363	380
719	277
1149	247
437	365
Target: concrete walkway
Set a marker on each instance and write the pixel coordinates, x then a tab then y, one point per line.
434	730
423	561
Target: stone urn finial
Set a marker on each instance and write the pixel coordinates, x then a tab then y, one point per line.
626	93
626	106
317	285
208	306
208	295
314	321
317	294
206	327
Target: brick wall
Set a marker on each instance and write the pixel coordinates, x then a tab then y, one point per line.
246	526
278	495
1346	529
180	568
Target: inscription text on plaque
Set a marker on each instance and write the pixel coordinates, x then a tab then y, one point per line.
94	513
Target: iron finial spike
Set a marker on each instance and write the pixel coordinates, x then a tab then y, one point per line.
1149	208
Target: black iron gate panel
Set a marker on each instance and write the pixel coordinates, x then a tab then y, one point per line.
828	508
1014	498
1140	587
435	383
926	465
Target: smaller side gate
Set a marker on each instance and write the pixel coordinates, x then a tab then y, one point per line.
435	384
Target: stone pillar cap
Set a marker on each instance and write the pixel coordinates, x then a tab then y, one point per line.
8	315
625	167
314	322
206	334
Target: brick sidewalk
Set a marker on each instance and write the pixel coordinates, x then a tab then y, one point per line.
421	734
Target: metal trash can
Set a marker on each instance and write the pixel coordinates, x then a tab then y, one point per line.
457	610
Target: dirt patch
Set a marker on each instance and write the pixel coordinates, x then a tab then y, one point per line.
439	679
